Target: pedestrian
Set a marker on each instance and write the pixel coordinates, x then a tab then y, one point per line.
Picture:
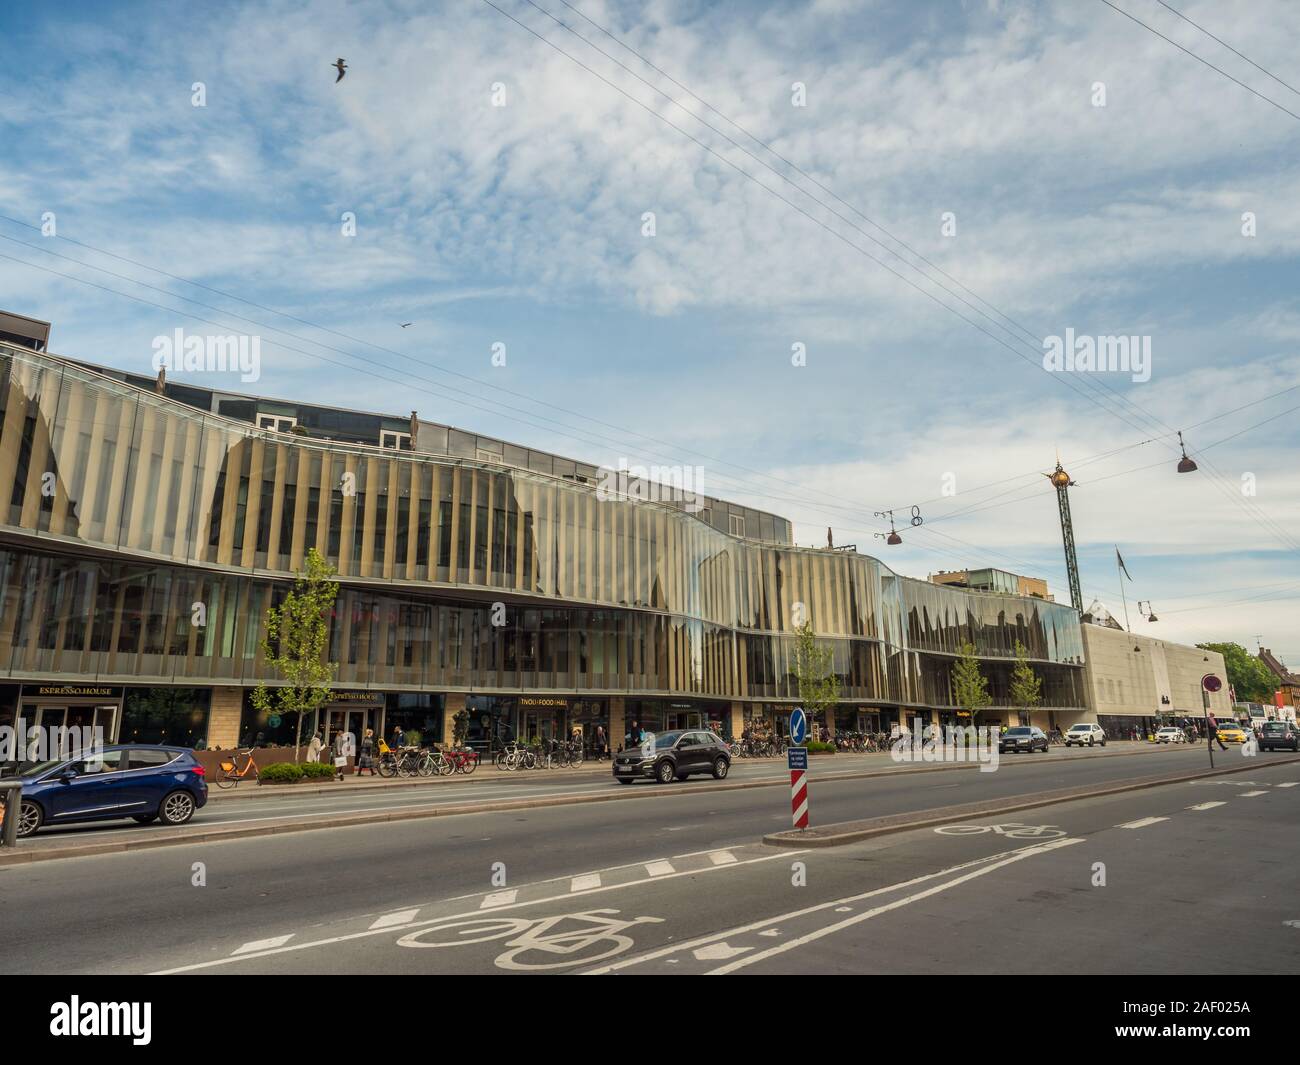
314	748
1212	727
366	753
399	739
601	750
633	736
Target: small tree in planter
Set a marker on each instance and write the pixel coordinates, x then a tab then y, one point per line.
814	671
459	727
970	688
1026	685
295	645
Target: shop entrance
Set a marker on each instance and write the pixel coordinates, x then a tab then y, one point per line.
355	720
55	720
683	719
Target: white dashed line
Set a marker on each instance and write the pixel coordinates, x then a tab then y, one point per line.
1249	794
1288	784
722	857
499	898
1143	822
1206	805
389	920
659	868
585	882
264	944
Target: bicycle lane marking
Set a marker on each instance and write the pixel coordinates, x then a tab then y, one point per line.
1000	858
559	893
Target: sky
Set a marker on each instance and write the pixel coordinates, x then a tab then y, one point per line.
817	249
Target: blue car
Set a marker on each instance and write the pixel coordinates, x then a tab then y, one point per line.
144	783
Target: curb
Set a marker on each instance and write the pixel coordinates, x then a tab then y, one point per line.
343	820
269	791
856	831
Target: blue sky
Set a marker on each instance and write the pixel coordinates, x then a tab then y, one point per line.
522	224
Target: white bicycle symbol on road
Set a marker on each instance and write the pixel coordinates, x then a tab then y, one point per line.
534	934
1010	829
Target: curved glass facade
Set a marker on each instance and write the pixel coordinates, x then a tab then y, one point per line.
125	508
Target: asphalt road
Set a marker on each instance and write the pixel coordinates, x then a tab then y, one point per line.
253	806
1204	890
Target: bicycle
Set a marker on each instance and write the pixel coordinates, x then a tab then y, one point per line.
232	773
462	759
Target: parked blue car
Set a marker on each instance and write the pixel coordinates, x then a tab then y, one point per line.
145	783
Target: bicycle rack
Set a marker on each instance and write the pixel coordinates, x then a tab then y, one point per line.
12	793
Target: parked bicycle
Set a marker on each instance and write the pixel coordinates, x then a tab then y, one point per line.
232	772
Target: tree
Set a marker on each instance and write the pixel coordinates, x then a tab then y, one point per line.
970	688
814	671
1253	681
1026	685
296	643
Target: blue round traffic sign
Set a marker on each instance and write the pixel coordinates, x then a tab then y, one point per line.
798	726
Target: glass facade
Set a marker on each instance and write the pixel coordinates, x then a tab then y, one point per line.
154	536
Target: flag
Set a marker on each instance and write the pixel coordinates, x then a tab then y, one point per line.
1120	559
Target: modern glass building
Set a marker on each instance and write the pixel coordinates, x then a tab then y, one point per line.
145	527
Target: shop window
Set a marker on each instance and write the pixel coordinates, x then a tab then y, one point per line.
177	717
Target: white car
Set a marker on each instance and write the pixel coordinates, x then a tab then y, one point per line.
1085	736
1169	734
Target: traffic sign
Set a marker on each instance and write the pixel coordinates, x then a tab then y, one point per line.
798	726
797	758
799	797
1211	683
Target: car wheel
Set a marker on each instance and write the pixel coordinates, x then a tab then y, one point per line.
30	817
1103	741
665	772
720	768
177	807
144	819
1090	741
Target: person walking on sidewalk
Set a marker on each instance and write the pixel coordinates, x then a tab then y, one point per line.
314	748
366	753
601	748
1213	727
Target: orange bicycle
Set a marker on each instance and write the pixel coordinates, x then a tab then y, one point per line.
232	773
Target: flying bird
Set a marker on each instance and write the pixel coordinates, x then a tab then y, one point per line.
342	67
405	324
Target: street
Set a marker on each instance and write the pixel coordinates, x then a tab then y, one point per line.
1195	876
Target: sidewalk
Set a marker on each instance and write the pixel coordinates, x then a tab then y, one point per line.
841	762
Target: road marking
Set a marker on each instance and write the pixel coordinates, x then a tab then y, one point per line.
1249	794
1206	805
499	898
391	919
896	904
263	944
843	909
332	940
659	868
722	857
702	940
1288	784
771	933
719	952
585	882
1143	822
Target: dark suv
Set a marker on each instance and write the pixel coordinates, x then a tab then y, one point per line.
1274	734
674	755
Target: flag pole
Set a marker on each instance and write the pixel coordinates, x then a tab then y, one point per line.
1119	570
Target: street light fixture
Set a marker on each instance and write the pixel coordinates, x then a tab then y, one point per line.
1185	465
1150	614
892	537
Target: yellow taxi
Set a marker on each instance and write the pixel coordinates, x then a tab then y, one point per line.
1233	733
